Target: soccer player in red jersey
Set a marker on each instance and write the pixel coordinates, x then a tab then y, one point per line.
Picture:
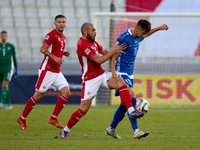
49	73
94	77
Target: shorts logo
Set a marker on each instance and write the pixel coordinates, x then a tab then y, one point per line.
46	37
87	51
88	93
130	45
44	87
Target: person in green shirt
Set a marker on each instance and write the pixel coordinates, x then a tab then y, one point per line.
7	57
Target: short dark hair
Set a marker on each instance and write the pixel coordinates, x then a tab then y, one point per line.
3	32
85	26
144	24
59	16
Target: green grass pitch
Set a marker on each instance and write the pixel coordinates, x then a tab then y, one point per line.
170	128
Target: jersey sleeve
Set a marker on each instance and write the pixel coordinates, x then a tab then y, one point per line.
48	39
122	38
120	41
100	48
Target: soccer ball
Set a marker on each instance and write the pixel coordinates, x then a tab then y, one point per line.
142	105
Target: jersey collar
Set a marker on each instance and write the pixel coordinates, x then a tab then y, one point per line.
129	30
86	40
58	33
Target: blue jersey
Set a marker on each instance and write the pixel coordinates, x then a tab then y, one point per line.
125	62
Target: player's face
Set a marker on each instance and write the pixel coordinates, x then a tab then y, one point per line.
141	32
4	37
60	24
91	33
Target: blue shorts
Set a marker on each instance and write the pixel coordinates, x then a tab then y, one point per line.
127	79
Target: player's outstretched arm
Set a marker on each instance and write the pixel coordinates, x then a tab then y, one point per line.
45	51
101	59
163	27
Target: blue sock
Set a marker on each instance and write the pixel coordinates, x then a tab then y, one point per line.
134	102
118	116
134	122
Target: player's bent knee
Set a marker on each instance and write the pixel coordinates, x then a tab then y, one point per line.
5	84
66	94
85	110
132	95
115	85
85	105
121	83
38	96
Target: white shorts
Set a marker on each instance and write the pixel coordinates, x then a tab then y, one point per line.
47	79
91	87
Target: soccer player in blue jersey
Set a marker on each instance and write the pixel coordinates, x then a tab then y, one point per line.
122	66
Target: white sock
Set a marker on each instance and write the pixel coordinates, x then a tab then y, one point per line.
130	110
136	130
66	129
111	129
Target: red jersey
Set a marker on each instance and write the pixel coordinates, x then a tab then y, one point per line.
85	50
56	43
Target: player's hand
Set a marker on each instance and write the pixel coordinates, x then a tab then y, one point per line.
67	53
164	27
115	79
59	60
119	48
16	74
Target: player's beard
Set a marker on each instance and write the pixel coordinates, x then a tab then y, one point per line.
3	40
61	31
90	38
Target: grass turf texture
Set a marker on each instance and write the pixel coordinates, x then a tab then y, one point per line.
170	128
